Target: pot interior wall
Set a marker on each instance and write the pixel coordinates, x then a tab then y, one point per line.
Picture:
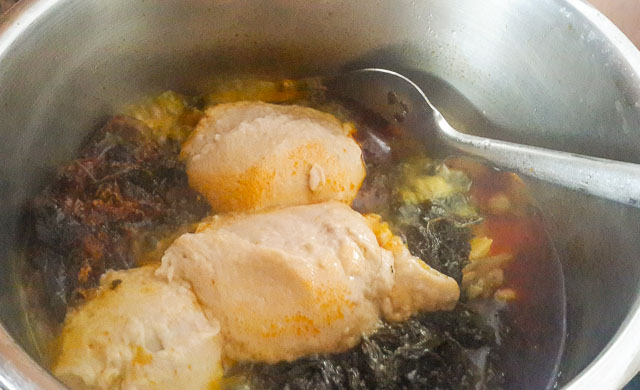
533	72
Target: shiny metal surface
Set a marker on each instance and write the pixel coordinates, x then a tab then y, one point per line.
548	73
612	180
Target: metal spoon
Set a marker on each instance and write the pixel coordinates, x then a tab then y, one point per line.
397	98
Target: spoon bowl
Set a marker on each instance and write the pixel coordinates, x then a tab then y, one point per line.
398	99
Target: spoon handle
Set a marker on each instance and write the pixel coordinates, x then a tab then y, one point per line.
613	180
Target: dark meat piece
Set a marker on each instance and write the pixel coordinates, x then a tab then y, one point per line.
429	351
126	187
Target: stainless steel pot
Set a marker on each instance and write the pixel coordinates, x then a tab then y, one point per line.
551	73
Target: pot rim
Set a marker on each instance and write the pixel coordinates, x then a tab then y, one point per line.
619	361
614	366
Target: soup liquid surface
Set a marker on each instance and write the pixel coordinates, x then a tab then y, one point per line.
533	323
525	308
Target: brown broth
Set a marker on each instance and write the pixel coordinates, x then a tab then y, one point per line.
532	345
